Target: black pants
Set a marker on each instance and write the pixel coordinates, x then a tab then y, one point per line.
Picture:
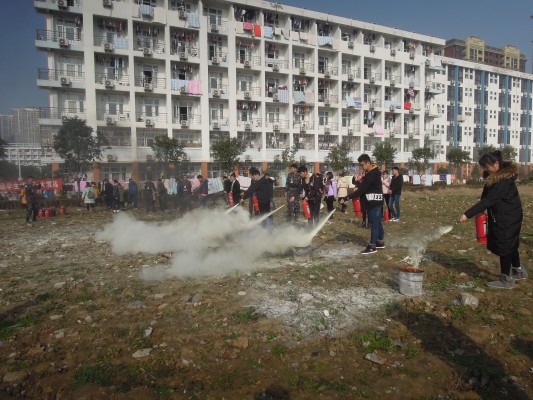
314	208
329	203
508	261
264	208
89	206
31	212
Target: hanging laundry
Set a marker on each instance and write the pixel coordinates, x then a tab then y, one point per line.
257	30
283	95
298	97
248	26
194	87
193	21
239	28
378	130
324	41
268	32
407	105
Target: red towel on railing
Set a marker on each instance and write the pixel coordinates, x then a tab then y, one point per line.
247	26
257	30
407	105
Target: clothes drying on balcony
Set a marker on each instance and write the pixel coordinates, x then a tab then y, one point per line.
324	41
257	30
177	84
310	97
145	9
407	105
120	42
283	95
378	130
298	97
248	26
268	32
193	21
194	87
353	102
437	61
239	28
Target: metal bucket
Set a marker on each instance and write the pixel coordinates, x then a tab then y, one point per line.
411	282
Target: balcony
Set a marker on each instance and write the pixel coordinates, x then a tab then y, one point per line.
248	61
58	78
110	44
431	112
252	93
186	87
328	99
373	103
352	102
151	120
219	124
277	64
47	39
187	121
328	71
218	91
351	129
217	25
250	125
373	77
218	58
150	49
303	126
300	97
328	128
58	5
434	87
393	80
302	68
352	74
150	84
111	118
186	52
277	125
113	81
56	115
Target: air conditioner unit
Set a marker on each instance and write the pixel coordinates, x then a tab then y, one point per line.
327	102
350	44
275	67
411	135
184	123
108	3
214	27
302	71
247	63
216	93
111	121
247	95
216	125
182	14
393	82
147	51
426	112
393	52
275	97
183	55
275	128
148	86
327	73
111	157
109	47
411	85
183	90
428	63
412	55
248	127
392	108
62	3
149	157
214	60
372	79
109	84
350	76
63	42
327	130
412	111
303	128
372	48
149	122
350	131
65	80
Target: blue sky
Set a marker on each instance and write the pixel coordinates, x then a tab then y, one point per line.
499	23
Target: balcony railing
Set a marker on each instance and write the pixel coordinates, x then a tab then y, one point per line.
373	103
303	68
186	120
351	129
219	57
67	3
151	119
353	74
150	83
216	25
219	123
103	114
250	124
59	75
218	90
64	39
185	51
113	80
251	93
328	99
276	125
328	71
328	127
303	126
60	113
149	47
111	43
277	63
248	61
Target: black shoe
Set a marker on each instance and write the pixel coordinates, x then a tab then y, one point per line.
380	245
362	225
369	250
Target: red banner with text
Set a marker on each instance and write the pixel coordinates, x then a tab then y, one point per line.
46	184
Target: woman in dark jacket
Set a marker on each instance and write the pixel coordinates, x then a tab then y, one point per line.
504	216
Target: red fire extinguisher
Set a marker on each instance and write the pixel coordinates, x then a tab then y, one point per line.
481	228
62	210
255	203
357	206
307	212
41	213
386	215
47	213
230	198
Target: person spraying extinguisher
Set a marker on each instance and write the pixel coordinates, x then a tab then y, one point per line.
313	190
261	192
501	201
235	189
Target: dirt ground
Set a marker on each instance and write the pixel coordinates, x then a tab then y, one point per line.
78	322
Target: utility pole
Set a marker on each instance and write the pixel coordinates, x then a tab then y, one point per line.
18	158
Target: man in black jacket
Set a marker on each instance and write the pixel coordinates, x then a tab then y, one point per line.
396	184
313	185
235	188
293	190
263	190
372	191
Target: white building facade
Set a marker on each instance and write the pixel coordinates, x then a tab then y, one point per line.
272	75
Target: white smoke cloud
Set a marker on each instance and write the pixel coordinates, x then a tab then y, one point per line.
203	242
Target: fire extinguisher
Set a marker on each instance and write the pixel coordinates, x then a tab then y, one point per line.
230	198
357	206
47	213
307	212
481	228
41	213
255	203
386	215
62	210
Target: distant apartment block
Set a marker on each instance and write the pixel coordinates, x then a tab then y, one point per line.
272	75
28	154
476	50
20	127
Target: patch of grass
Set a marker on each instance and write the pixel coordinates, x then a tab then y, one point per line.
7	328
278	350
442	283
458	312
163	392
484	315
246	315
319	268
271	336
226	381
139	341
412	352
83	298
102	374
376	340
111	354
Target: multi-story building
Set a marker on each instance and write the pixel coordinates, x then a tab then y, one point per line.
476	50
274	76
20	127
28	154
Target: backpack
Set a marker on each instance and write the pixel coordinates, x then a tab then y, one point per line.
90	194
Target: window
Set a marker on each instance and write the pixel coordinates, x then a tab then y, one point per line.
215	80
244	115
367	71
298	60
272	114
217	112
322	64
244	83
323	118
115	105
346	66
346	120
215	16
271	86
150	107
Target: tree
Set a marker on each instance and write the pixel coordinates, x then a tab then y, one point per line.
457	157
476	173
384	153
338	157
77	145
485	150
288	156
508	151
169	151
226	152
420	158
3	148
